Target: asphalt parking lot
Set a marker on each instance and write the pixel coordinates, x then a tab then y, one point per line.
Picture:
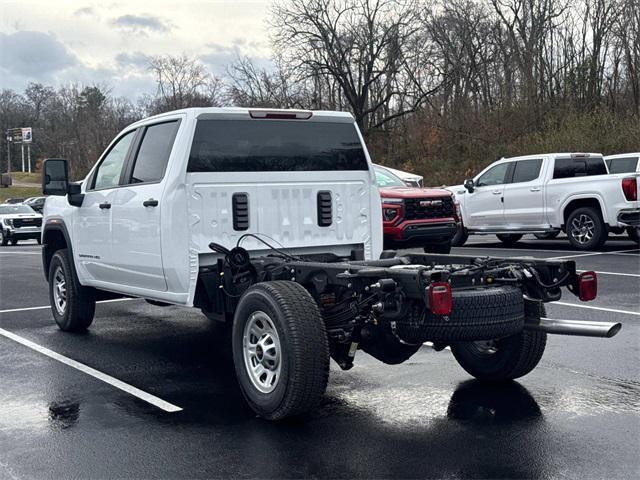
576	416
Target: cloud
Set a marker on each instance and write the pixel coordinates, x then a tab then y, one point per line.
88	11
133	60
218	57
33	54
141	24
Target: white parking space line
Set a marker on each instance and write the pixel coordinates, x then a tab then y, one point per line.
613	273
114	382
476	246
602	309
578	255
15	252
44	307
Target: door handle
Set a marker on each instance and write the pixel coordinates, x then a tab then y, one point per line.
534	189
104	205
150	203
497	192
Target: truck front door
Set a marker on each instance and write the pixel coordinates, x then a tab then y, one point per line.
137	210
92	222
485	207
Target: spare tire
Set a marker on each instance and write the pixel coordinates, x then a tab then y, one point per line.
477	314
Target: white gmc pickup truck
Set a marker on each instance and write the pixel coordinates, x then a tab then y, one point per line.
547	194
269	221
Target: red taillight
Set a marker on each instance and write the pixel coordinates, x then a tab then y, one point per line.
630	189
440	298
587	286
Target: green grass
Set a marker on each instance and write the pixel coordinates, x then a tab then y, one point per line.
19	192
26	177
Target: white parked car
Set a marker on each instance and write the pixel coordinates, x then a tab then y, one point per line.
410	179
546	194
18	222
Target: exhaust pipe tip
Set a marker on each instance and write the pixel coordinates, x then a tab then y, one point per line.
613	331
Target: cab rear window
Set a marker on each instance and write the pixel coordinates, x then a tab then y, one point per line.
579	167
275	146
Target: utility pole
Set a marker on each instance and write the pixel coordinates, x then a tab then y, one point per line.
8	155
29	156
22	152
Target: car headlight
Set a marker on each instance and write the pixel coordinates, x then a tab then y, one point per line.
8	222
389	214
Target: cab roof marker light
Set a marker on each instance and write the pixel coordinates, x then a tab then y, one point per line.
580	155
281	115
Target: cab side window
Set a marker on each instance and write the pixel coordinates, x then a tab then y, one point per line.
494	176
153	154
526	170
108	173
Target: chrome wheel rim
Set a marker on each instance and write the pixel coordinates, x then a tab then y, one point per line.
583	229
262	352
59	291
486	347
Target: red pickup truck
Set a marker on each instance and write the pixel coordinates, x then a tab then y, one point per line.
416	217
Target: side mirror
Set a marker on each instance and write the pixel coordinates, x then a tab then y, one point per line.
55	177
469	185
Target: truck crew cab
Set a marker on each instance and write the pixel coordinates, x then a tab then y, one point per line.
546	194
269	221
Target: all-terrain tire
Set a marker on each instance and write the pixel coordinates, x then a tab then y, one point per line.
592	219
508	358
76	315
4	241
303	348
477	314
509	239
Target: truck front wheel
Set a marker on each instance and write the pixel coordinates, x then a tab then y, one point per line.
73	305
280	349
506	358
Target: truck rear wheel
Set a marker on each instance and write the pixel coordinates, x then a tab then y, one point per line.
280	349
634	233
586	229
505	358
73	305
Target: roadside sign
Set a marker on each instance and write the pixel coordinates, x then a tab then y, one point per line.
26	135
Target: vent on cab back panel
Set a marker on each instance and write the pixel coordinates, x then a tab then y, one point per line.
324	209
240	202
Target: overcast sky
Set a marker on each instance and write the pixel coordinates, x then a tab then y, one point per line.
60	41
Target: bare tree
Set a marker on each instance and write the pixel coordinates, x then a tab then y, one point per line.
183	82
368	48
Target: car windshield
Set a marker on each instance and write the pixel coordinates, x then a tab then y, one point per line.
11	209
386	179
